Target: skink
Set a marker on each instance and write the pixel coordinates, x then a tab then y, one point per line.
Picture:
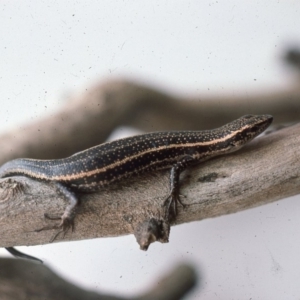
90	170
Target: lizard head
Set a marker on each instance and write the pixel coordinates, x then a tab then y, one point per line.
246	128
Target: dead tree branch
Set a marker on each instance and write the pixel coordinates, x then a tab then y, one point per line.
266	170
25	280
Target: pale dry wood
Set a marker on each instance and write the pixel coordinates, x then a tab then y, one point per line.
24	280
264	171
89	119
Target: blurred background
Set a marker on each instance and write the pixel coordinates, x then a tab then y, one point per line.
50	51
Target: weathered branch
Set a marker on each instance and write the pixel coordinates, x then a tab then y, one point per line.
25	280
88	120
265	170
292	57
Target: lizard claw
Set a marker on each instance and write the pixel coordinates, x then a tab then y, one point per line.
171	204
66	223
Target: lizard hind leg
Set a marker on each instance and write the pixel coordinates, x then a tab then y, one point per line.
67	218
67	221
